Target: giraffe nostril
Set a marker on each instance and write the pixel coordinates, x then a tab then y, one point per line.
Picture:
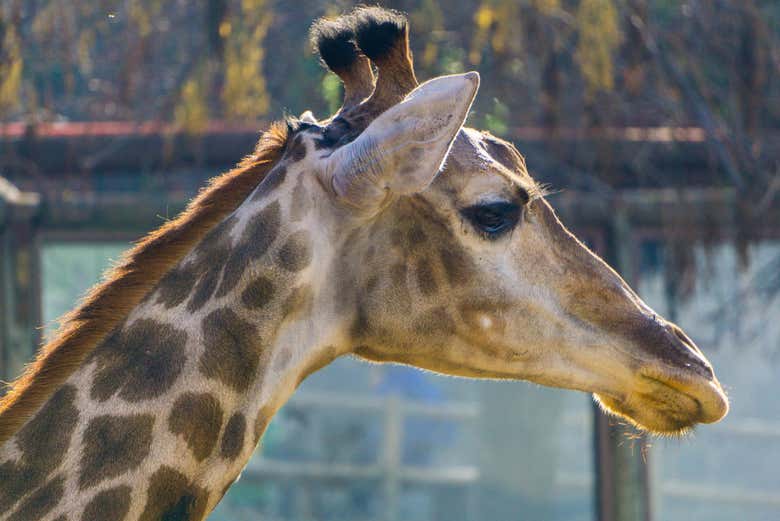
696	359
684	338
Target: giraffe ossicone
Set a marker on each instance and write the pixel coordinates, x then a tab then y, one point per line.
389	231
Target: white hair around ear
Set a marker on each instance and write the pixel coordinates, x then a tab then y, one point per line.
403	149
308	117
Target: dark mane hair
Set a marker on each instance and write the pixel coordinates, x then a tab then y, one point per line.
129	281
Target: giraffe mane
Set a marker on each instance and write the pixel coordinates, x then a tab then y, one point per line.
130	280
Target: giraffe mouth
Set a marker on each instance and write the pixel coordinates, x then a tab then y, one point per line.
706	392
669	401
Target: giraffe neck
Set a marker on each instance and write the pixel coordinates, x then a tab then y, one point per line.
167	411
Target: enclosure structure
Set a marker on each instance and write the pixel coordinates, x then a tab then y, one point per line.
409	445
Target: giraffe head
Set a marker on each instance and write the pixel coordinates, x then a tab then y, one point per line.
450	258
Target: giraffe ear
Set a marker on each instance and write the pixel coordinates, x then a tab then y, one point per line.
404	148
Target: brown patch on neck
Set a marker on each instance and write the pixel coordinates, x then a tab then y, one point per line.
172	495
112	503
42	501
128	283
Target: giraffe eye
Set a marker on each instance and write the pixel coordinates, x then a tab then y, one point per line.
493	220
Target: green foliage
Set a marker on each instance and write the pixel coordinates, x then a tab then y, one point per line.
332	92
11	64
599	37
497	121
244	93
191	112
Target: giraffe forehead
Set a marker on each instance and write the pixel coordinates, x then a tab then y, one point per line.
480	166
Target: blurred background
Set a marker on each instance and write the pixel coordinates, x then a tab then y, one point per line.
656	123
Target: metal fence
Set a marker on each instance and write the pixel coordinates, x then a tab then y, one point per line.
389	471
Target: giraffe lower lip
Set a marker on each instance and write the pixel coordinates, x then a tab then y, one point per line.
647	414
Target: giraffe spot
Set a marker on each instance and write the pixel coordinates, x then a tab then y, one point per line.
172	497
197	417
372	283
396	237
113	445
207	283
175	286
297	302
14	483
262	229
140	362
258	293
409	170
219	232
40	502
233	438
370	253
425	278
272	181
259	235
295	254
111	504
436	322
237	262
398	274
361	326
210	256
45	438
415	235
297	149
416	155
230	355
43	442
300	196
457	265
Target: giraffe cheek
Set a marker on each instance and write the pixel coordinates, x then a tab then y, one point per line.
483	321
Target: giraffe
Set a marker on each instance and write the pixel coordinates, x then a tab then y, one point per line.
389	231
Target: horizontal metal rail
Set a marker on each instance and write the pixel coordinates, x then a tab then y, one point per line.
445	410
750	427
389	470
262	468
686	490
720	494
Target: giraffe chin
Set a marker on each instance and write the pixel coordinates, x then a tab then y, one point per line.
668	408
